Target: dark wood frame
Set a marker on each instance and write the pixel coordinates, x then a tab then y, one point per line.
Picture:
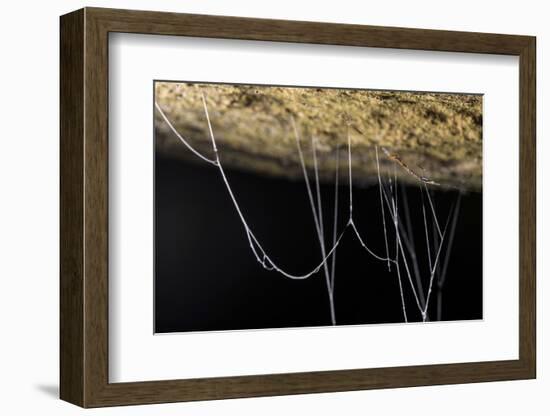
84	214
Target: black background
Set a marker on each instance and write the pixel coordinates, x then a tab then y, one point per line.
206	277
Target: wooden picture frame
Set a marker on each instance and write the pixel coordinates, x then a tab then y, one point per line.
84	207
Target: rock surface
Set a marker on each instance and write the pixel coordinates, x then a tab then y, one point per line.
434	136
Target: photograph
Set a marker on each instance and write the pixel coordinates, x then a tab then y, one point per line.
252	208
306	206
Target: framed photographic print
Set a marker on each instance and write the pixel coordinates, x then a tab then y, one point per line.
257	207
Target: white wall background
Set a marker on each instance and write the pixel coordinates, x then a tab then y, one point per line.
30	192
